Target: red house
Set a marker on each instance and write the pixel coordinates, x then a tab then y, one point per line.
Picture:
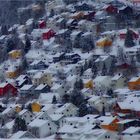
42	24
124	66
122	107
122	34
89	15
6	88
111	9
48	33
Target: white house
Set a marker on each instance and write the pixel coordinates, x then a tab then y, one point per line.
50	108
7	130
100	134
131	133
88	74
46	98
67	109
71	79
22	134
26	115
104	60
42	128
102	81
118	81
58	88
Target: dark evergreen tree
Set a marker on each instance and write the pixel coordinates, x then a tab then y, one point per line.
27	44
86	65
104	70
52	13
23	125
76	98
29	107
54	100
103	110
94	70
24	64
79	84
10	45
129	42
4	30
81	71
110	92
83	110
3	122
19	125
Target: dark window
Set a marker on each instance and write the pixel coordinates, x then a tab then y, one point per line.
48	124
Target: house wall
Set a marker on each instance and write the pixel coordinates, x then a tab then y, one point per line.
89	84
28	117
120	83
112	127
134	85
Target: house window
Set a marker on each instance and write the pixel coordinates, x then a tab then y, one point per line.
48	124
70	123
107	137
67	110
31	116
50	128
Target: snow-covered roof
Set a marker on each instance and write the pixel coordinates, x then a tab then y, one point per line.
21	77
94	98
131	130
46	98
61	31
38	75
56	117
125	121
100	78
18	134
102	58
75	33
102	39
41	86
56	86
2	85
116	77
70	21
134	79
71	77
7	110
26	87
106	120
69	130
38	123
22	112
9	125
64	107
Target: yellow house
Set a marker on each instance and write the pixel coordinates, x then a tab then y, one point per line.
17	109
36	107
88	83
12	73
104	42
15	54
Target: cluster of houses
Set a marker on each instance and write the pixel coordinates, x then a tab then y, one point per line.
74	41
